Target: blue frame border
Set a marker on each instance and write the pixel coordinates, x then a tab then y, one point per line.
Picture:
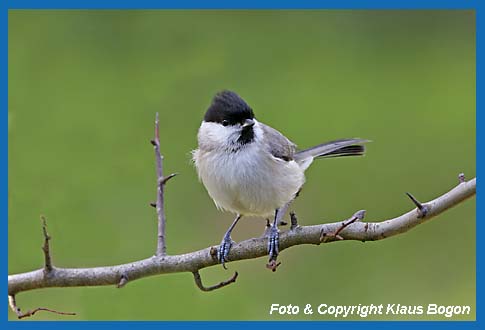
240	4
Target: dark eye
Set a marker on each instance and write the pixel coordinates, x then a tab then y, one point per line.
225	122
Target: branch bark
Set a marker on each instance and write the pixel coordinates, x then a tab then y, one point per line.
248	249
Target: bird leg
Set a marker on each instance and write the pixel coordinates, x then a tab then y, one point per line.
226	244
273	235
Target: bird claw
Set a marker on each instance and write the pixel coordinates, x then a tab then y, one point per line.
223	250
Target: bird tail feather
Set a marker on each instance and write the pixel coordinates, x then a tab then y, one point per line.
337	148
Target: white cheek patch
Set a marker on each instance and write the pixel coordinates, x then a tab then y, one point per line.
214	135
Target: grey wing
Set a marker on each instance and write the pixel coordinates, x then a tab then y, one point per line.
278	145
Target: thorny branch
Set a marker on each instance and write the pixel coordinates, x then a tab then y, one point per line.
161	263
161	181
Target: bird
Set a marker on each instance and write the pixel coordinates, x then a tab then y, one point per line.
250	169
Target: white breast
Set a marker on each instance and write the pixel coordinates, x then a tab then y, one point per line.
249	181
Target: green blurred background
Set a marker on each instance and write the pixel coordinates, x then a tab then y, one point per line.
84	87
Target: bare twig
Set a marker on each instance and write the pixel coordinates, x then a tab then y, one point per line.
198	282
13	305
161	181
251	248
45	248
357	216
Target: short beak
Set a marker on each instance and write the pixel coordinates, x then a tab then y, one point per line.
248	123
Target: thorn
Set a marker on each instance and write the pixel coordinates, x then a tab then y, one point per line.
153	204
461	177
422	209
165	179
294	220
283	223
415	201
153	142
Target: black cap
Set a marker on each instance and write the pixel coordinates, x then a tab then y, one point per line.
228	107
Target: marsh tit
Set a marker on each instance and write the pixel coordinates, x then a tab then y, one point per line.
251	169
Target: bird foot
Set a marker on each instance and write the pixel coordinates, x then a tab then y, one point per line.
223	250
273	243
